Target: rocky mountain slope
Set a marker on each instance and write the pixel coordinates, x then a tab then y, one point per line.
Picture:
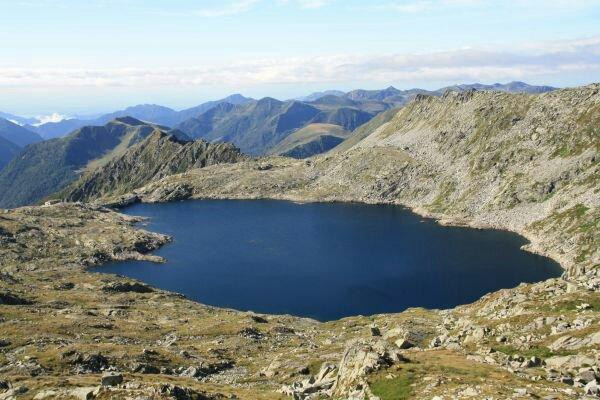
527	163
46	167
159	155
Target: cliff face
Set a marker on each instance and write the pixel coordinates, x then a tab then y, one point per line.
527	163
157	156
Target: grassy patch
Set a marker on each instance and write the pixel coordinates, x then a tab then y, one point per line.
578	222
314	367
490	123
451	370
396	388
441	200
571	305
586	134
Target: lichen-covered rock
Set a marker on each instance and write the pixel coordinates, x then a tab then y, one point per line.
360	359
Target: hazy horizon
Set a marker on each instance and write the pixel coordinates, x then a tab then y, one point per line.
54	116
78	58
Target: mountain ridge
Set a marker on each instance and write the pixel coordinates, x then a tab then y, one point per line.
312	139
8	150
44	167
167	116
17	134
152	113
160	154
259	125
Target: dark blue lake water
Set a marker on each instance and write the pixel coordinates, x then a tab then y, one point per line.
326	261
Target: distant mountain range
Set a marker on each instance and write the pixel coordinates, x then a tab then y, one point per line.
13	138
17	134
293	128
259	125
18	120
166	116
144	112
511	87
7	151
317	95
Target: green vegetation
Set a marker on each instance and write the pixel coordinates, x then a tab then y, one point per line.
440	203
46	167
310	140
394	388
159	155
314	367
571	305
366	129
260	125
7	151
473	373
586	134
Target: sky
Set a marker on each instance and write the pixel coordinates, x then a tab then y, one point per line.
74	57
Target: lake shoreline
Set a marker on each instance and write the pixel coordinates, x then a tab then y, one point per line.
400	220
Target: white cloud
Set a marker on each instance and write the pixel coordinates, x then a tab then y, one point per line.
529	61
54	117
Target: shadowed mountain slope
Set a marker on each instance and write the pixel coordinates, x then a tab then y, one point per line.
159	155
45	167
312	139
259	126
254	127
366	129
17	134
7	151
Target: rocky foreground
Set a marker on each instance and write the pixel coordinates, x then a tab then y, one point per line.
527	163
